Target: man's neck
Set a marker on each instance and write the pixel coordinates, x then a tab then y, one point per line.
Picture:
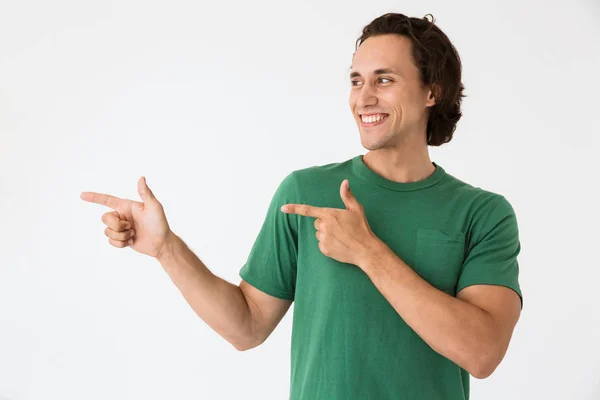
406	165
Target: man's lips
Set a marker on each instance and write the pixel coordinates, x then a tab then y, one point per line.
371	121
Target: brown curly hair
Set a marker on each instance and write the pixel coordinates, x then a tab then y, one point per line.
438	62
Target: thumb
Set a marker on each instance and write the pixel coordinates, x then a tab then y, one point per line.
348	197
145	192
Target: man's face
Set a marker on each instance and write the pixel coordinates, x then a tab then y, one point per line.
387	98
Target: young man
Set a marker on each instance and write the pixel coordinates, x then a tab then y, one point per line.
406	282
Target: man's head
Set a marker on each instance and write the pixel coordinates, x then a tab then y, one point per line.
407	71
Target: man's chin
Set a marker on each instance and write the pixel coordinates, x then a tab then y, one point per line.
373	144
372	141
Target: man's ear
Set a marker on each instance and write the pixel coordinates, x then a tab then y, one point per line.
432	94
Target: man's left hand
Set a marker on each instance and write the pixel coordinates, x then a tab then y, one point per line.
344	235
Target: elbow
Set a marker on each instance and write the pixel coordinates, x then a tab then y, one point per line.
239	347
484	365
246	345
243	346
250	337
482	372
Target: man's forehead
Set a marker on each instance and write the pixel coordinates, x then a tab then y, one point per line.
389	52
377	64
377	71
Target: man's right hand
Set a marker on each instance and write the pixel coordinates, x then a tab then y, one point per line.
142	225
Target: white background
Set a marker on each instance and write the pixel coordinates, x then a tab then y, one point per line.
215	103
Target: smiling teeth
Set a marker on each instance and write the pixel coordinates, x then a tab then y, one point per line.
373	118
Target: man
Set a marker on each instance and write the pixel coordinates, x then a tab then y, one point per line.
405	283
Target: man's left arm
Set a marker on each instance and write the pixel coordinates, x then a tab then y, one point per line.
472	329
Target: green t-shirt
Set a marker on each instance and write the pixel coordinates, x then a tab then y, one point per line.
348	342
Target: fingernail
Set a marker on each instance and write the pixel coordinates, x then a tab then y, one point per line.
130	241
128	226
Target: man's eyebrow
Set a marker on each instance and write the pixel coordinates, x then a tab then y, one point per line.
379	71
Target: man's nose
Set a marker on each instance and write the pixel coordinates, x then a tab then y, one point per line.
367	96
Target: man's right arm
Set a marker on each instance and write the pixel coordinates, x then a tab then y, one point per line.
242	315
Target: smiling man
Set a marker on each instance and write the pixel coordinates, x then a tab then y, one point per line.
406	282
404	278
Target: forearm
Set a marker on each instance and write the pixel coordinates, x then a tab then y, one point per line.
219	303
460	331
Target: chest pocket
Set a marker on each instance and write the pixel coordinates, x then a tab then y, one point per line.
439	255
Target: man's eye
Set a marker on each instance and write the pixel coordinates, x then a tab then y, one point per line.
355	83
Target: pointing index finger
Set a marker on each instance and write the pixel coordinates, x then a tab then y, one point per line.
101	198
303	209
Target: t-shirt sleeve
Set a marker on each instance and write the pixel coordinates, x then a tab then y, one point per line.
271	265
492	260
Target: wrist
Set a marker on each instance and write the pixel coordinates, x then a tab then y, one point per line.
374	252
166	250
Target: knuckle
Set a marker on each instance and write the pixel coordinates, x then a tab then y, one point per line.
323	249
115	243
108	218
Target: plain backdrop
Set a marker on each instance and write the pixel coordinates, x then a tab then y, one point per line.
215	102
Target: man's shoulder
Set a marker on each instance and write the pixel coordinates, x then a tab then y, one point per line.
320	170
317	175
470	193
313	180
484	207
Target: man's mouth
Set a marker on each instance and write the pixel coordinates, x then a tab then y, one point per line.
372	119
